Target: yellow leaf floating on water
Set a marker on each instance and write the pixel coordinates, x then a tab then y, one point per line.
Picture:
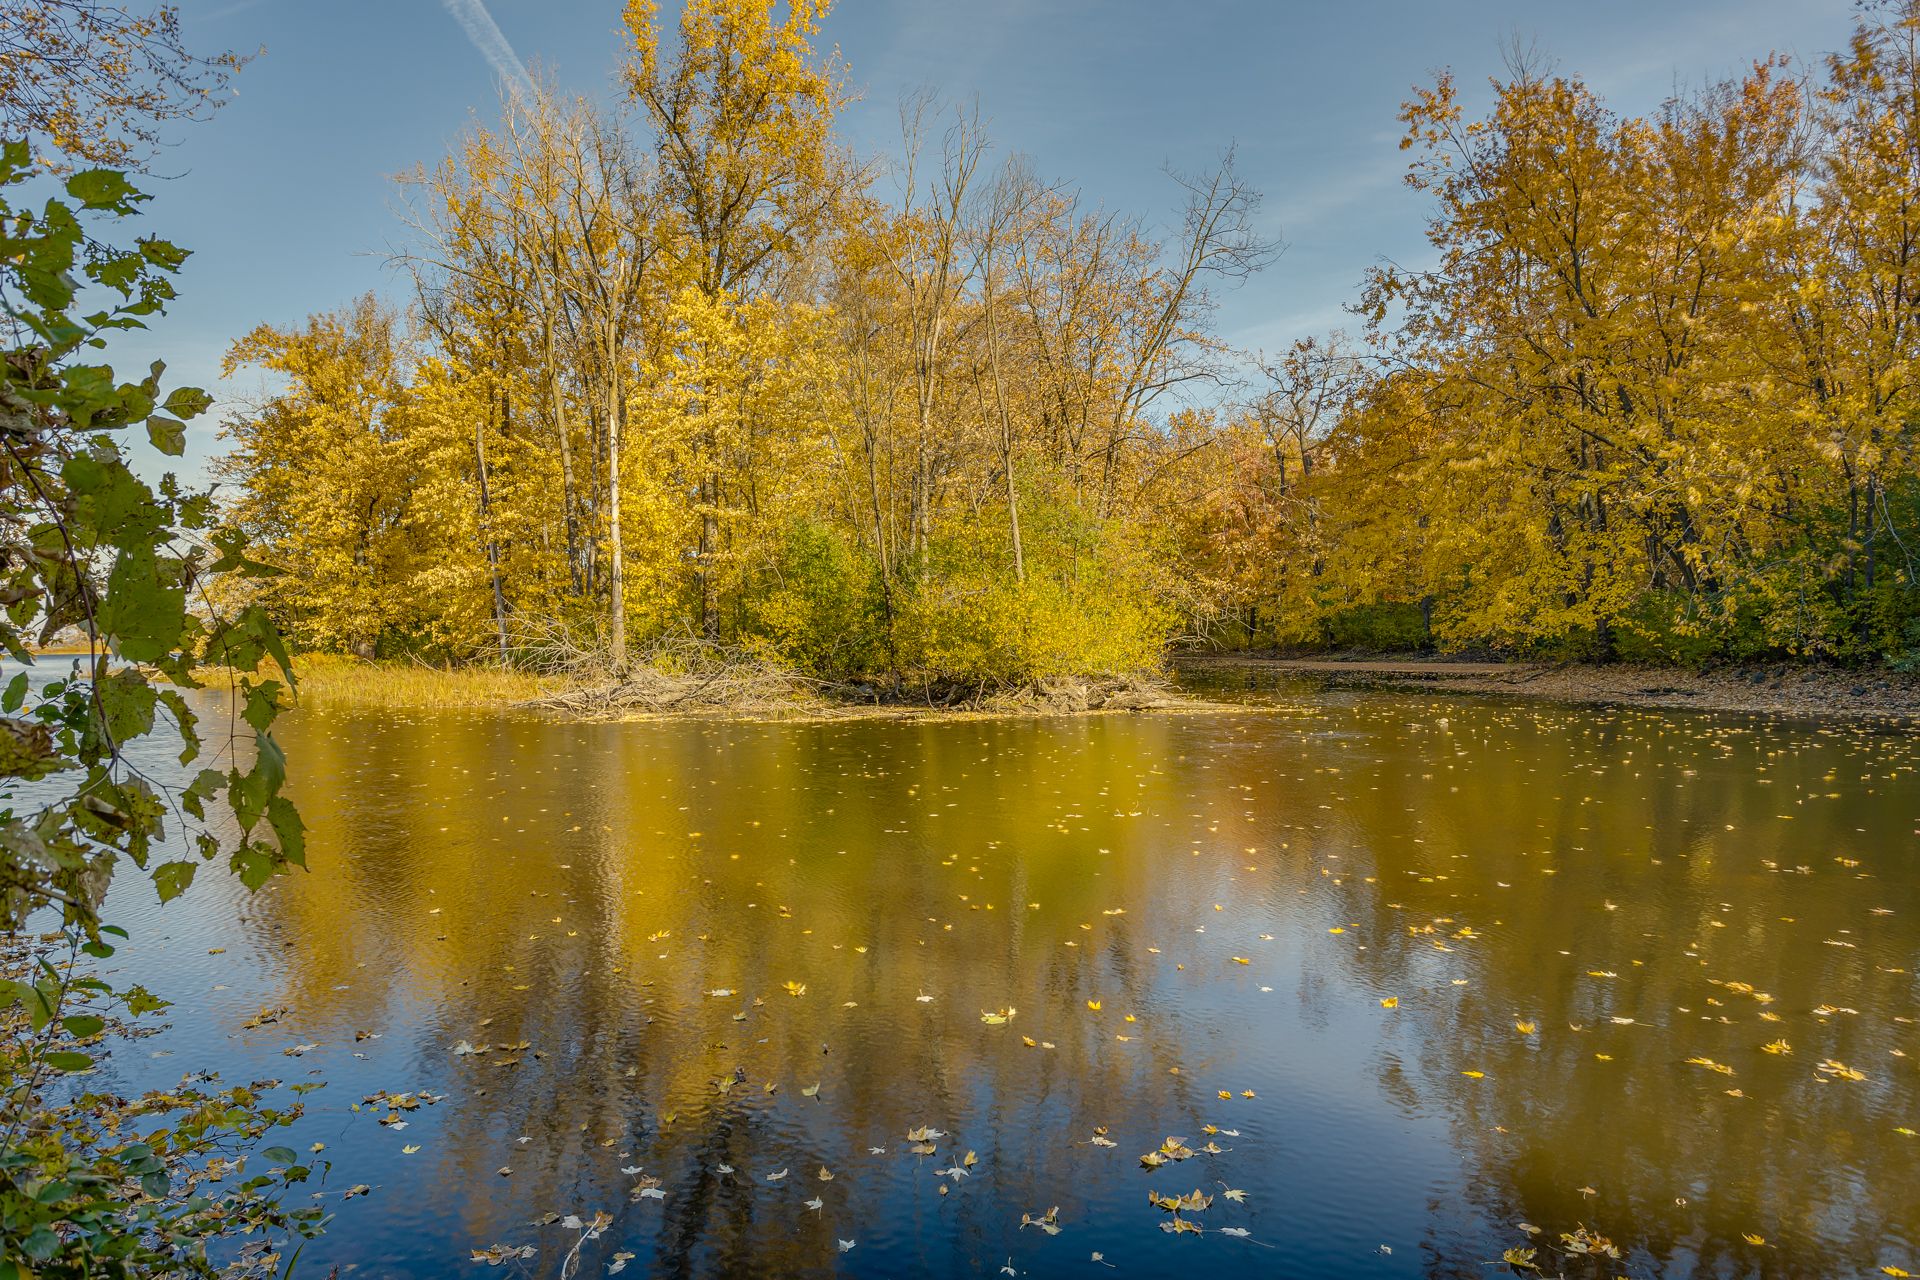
1752	1239
1526	1028
1834	1069
1195	1201
796	989
999	1019
1170	1149
1896	1271
1711	1065
1094	1005
1474	1075
1336	929
1778	1046
1389	1002
1241	959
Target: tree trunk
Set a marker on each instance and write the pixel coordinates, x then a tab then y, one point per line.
486	530
617	638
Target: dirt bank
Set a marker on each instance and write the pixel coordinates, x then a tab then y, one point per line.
756	694
1784	689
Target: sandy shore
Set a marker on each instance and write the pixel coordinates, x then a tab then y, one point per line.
1783	689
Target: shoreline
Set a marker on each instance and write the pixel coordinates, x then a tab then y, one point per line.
751	692
763	695
1764	688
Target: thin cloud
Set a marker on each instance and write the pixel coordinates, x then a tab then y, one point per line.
485	34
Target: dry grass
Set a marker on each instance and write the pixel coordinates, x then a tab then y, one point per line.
337	681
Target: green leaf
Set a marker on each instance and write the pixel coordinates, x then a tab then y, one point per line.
290	828
62	1060
126	702
83	1025
254	863
263	704
188	402
279	1155
102	189
168	435
40	1244
16	694
145	609
172	878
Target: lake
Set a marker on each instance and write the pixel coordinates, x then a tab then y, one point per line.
1399	981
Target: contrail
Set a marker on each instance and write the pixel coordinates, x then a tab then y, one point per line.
485	34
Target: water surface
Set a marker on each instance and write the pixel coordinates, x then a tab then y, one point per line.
1426	971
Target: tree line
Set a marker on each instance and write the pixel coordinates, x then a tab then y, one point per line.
683	370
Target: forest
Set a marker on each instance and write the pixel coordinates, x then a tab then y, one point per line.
682	392
683	372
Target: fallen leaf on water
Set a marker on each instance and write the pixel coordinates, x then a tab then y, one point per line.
1048	1222
500	1253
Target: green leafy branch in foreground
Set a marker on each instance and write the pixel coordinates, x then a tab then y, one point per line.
89	1184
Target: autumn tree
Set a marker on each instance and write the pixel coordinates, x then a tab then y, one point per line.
742	116
92	82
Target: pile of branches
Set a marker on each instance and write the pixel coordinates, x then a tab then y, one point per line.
673	674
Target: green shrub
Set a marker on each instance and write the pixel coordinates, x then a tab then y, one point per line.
819	608
1382	627
1089	603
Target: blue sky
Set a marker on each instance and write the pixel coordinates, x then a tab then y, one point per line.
286	195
